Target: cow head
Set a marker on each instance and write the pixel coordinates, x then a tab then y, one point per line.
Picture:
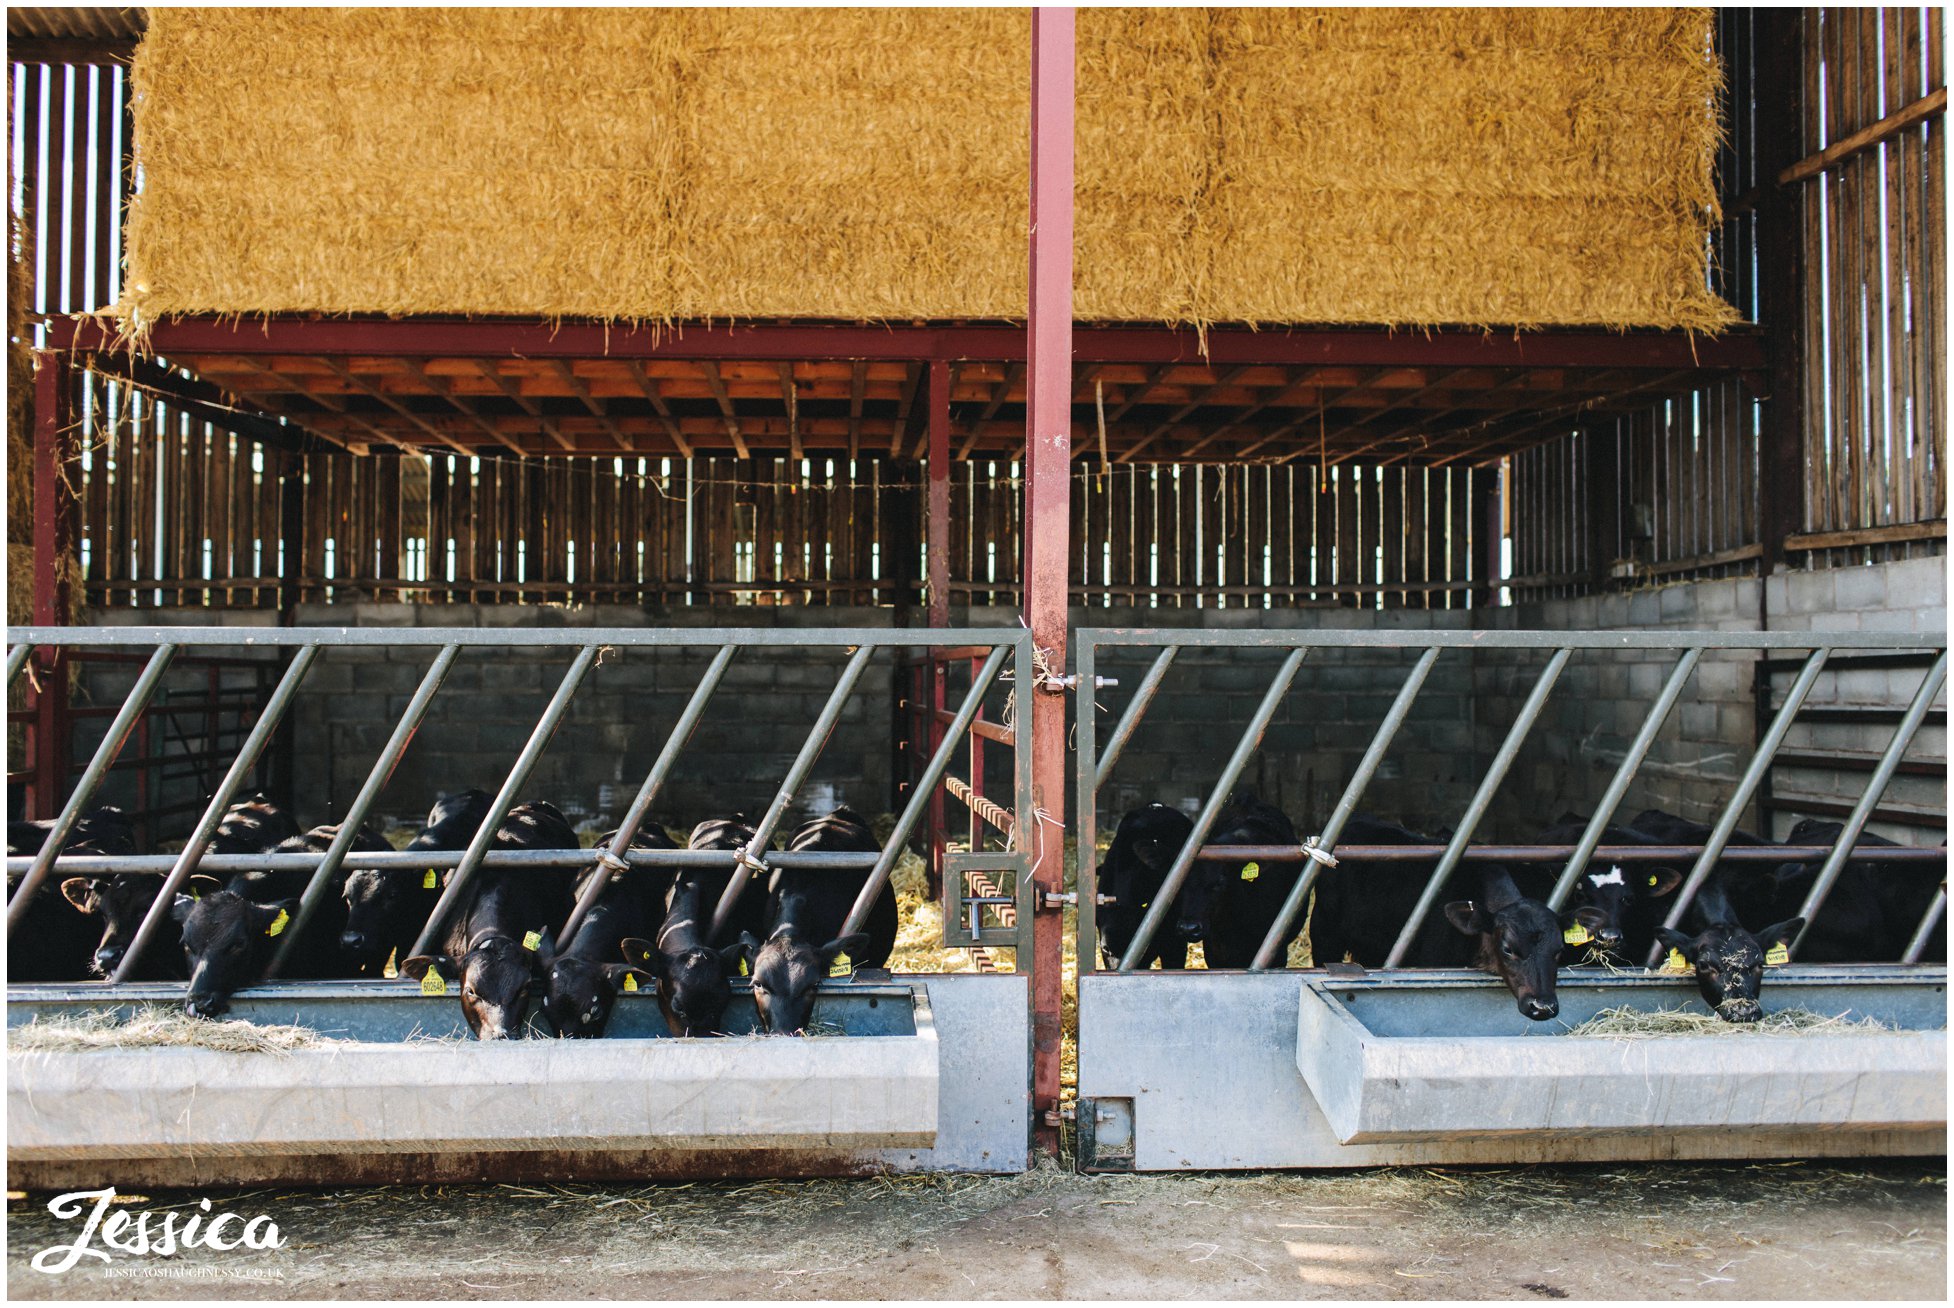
788	970
121	902
1613	892
383	905
693	989
1729	963
579	993
228	942
1520	940
495	974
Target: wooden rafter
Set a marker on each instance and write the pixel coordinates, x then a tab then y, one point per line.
790	397
582	392
658	405
1228	379
359	384
906	408
857	384
331	403
523	402
1565	417
717	385
440	386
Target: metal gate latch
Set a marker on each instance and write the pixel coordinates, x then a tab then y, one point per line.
1323	856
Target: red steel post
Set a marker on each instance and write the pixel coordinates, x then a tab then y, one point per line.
1048	527
936	536
53	538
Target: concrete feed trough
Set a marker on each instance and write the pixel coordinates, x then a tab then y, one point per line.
1398	1061
874	1087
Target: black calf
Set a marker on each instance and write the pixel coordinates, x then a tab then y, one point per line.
693	989
583	982
1728	960
1519	940
1625	894
810	906
1141	855
52	943
1873	909
495	933
387	907
1229	904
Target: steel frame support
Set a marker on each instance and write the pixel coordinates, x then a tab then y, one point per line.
1048	345
54	524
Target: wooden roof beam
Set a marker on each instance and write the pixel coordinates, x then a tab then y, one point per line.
790	396
523	402
330	403
857	384
717	385
340	370
1126	456
440	386
658	405
906	408
1012	375
1566	417
582	392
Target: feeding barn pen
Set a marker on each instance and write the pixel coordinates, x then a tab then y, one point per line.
1571	443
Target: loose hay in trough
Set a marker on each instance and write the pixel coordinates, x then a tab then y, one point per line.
1406	167
1627	1023
151	1027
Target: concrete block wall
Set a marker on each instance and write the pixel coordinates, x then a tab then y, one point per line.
1601	700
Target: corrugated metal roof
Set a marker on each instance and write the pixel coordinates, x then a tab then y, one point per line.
94	23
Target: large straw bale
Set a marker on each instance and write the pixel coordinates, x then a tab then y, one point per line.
1480	166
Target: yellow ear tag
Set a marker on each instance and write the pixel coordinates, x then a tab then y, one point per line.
1576	935
428	882
1675	964
841	966
532	941
390	971
1777	955
630	984
1655	881
278	923
432	982
1250	871
743	968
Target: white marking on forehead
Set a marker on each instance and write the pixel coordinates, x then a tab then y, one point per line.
1612	877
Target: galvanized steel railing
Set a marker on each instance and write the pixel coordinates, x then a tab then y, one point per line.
1320	849
997	646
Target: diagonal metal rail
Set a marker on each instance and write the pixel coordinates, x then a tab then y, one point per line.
1889	762
1481	800
1638	749
919	795
17	662
91	779
1931	919
1129	721
750	861
471	862
1747	785
355	819
619	850
193	852
1387	731
1251	739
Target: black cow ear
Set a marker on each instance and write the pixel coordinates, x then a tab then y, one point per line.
75	891
644	954
1661	881
1466	916
624	977
201	885
1588	916
180	909
1678	941
1782	933
848	944
739	955
417	966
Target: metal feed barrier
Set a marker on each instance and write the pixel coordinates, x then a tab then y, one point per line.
1143	1105
983	1021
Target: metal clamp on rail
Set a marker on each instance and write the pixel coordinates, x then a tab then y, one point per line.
1312	850
611	863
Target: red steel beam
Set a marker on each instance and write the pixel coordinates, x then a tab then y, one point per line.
937	523
1738	349
53	507
1049	355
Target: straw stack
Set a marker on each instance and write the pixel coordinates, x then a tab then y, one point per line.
1406	167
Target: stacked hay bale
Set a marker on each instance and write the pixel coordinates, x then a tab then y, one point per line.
1403	167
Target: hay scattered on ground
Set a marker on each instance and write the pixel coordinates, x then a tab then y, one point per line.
152	1027
1626	1023
1397	166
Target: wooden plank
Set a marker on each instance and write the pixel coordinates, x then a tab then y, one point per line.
1416	547
1187	510
137	550
1815	409
1391	526
100	440
1933	324
387	516
1459	536
1851	149
1886	535
1351	536
1872	184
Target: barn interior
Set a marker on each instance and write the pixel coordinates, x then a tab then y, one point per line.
1664	348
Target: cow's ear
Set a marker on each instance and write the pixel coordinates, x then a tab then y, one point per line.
617	973
1781	933
417	966
848	944
644	954
1679	941
1154	855
75	891
738	956
1661	881
180	909
274	919
201	885
545	950
1467	917
1588	916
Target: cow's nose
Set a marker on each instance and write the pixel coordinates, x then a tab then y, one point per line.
203	1006
1189	931
1539	1010
1740	1010
1609	938
355	940
107	959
